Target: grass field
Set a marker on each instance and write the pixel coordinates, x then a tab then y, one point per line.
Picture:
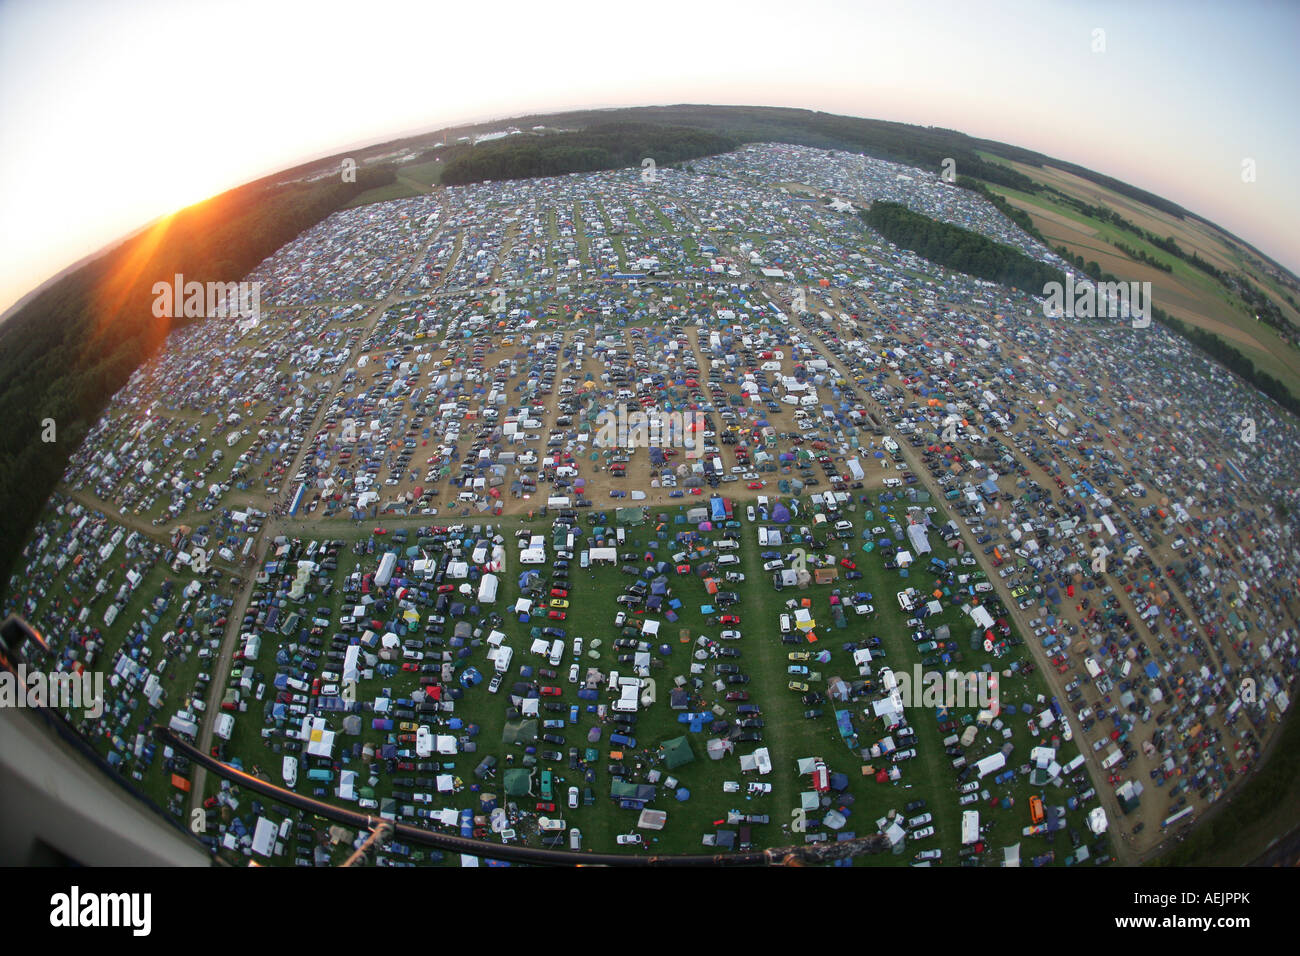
787	734
413	179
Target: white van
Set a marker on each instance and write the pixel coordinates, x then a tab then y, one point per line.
557	652
225	726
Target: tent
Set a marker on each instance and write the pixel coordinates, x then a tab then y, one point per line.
519	732
518	782
630	516
677	752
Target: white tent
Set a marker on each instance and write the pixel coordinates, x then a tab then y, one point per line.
264	836
895	833
319	738
991	764
347	784
888	708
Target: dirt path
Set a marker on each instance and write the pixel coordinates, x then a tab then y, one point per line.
133	522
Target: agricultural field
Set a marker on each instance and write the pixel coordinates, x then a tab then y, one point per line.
1186	293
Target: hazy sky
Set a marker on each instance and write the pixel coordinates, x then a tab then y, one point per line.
113	113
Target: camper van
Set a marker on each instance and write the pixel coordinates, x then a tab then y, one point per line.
225	726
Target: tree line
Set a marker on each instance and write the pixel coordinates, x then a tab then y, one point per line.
958	248
608	146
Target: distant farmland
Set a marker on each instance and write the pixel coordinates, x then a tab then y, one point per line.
1186	292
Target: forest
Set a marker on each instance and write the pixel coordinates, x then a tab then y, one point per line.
959	249
607	146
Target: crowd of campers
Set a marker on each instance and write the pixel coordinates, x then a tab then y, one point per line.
729	339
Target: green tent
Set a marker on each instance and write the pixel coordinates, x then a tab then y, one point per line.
519	732
519	782
677	752
622	790
630	516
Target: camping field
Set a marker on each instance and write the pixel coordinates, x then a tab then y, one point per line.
699	805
